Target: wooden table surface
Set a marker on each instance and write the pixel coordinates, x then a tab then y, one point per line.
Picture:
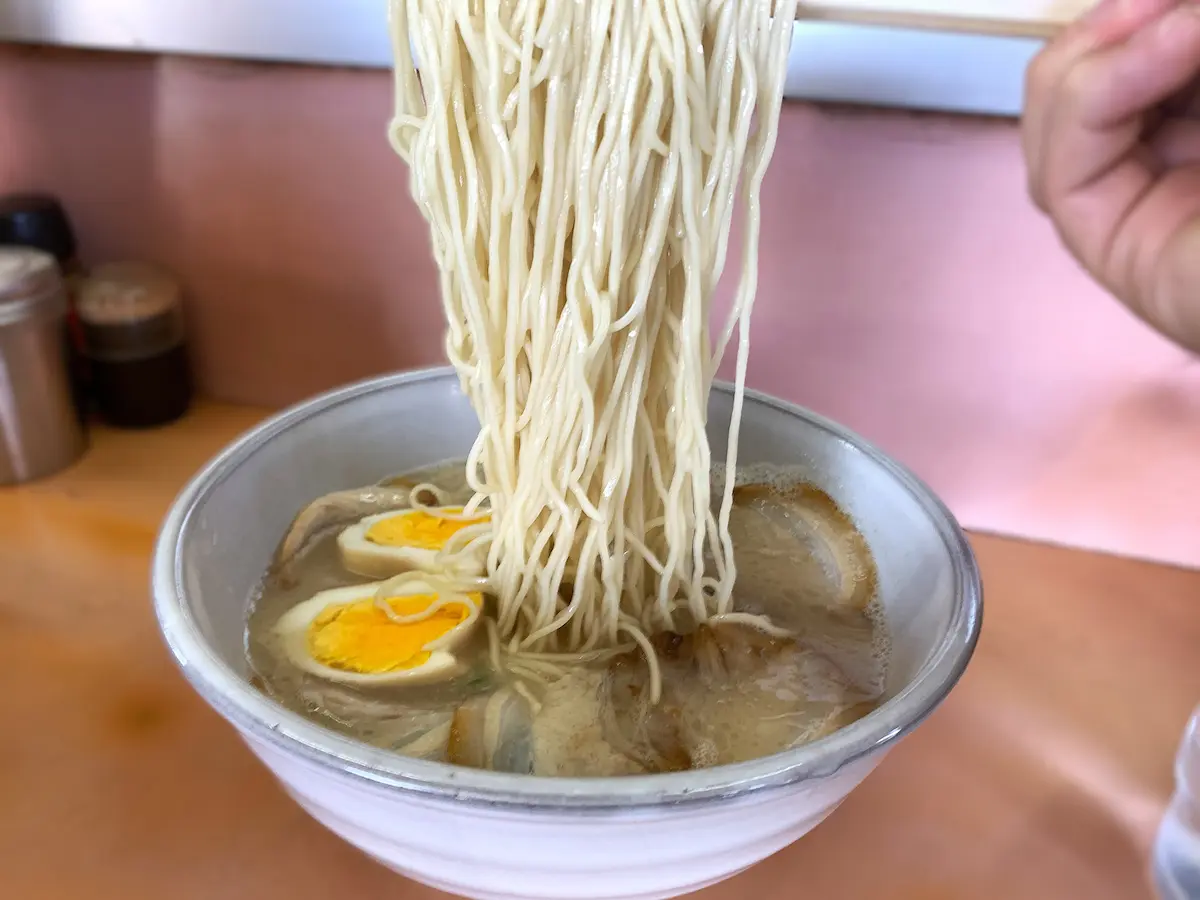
1043	776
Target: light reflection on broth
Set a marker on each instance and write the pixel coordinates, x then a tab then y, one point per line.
730	692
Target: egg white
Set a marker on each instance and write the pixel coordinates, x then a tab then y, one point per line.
371	560
293	626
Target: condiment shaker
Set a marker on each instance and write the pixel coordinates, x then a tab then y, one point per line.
40	429
39	221
131	316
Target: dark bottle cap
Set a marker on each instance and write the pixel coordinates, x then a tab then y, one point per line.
39	221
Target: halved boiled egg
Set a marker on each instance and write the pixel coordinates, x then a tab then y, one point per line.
393	542
345	635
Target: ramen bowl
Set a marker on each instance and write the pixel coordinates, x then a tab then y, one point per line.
520	836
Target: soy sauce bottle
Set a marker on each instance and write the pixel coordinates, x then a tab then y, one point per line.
133	333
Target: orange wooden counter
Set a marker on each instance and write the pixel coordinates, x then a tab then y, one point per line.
1041	778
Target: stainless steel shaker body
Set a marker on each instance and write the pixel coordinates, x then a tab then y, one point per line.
40	428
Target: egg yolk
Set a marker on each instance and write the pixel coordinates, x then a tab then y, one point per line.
419	529
360	637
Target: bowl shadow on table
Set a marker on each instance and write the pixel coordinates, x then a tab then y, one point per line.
143	792
233	813
965	810
900	836
167	798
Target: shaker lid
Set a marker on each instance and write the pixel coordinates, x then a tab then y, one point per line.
37	220
126	293
129	311
30	285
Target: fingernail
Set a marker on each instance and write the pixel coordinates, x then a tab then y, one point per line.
1183	16
1133	10
1103	9
1115	20
1100	25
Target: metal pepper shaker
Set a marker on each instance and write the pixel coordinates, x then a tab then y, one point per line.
40	221
40	429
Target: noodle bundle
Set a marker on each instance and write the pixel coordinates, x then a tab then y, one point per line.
579	163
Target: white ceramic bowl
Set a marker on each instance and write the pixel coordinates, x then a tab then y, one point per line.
521	836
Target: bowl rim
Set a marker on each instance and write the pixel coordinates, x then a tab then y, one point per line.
262	719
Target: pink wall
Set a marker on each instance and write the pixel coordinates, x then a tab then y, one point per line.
907	287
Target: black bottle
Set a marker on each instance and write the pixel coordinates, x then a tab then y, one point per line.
132	320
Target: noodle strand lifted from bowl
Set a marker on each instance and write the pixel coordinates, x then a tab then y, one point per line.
579	164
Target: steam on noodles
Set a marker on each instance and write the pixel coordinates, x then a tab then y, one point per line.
579	162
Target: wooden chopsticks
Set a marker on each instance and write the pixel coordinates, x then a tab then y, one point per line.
1037	29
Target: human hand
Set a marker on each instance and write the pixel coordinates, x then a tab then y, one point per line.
1114	158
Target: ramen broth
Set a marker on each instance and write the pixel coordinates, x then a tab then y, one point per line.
730	692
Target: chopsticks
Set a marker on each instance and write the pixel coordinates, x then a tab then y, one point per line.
831	11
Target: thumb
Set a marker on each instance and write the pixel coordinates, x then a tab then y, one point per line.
1124	80
1174	306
